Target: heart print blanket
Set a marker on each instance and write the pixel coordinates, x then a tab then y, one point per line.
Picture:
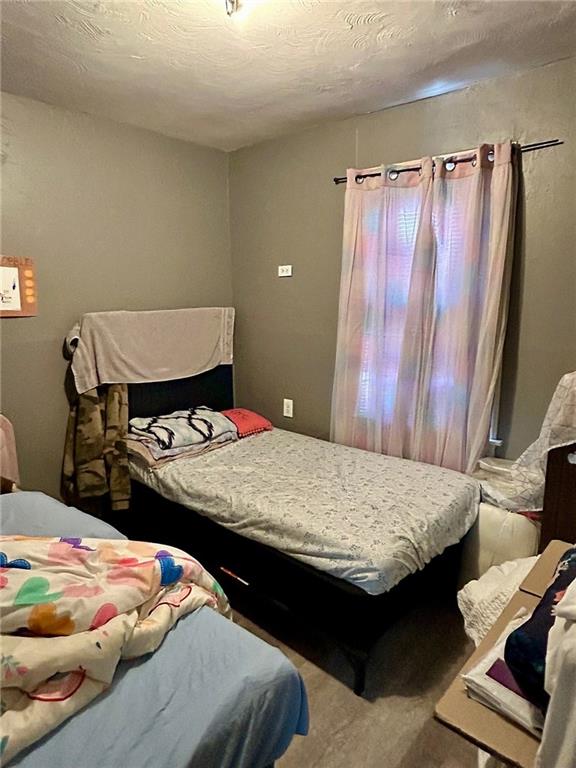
97	601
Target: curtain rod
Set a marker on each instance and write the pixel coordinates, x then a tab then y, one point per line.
449	160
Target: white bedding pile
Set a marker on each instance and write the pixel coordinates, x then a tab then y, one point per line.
482	601
360	516
481	687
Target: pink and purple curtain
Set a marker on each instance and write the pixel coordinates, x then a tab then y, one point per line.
423	307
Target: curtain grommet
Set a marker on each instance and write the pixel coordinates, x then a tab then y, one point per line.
359	179
393	174
449	165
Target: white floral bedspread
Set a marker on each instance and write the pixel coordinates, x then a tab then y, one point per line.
360	516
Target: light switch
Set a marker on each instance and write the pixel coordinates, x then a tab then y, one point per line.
285	270
288	408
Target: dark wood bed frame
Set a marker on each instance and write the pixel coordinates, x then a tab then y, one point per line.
257	577
559	517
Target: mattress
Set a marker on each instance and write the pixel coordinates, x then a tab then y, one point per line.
360	516
212	696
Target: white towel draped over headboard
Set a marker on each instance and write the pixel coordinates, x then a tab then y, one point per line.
158	345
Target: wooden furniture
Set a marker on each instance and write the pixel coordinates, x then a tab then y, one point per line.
559	521
472	720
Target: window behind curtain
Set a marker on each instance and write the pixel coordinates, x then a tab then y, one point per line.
379	366
452	286
423	306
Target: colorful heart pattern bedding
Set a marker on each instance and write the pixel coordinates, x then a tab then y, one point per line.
98	601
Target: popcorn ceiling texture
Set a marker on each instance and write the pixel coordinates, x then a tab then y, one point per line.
183	68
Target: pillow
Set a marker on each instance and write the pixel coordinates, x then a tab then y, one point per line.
198	426
30	513
247	422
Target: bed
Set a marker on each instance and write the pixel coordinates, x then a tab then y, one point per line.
367	519
212	695
273	517
349	580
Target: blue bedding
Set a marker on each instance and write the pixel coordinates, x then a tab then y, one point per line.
31	513
212	696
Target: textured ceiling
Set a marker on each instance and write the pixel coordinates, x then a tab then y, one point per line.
183	68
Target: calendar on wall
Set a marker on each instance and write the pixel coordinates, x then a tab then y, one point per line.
18	290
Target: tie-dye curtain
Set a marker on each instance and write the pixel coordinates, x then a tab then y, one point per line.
423	307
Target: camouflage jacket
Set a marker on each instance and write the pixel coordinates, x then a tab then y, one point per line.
95	457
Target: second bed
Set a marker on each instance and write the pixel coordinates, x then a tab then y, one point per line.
366	518
342	538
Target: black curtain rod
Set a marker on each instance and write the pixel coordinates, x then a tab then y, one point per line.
450	162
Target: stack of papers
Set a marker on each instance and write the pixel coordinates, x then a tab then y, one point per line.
491	683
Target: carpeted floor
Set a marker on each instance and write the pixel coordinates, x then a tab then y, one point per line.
392	725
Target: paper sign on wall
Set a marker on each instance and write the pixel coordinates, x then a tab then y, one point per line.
18	295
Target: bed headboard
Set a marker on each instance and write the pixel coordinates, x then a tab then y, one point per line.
214	389
559	518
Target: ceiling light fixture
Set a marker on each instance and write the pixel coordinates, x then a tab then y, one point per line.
232	6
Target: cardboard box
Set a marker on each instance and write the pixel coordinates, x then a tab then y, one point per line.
542	574
487	729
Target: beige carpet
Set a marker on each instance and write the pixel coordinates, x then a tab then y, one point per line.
392	726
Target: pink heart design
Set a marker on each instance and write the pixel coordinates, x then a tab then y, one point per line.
64	553
59	689
103	615
138	576
82	590
191	570
174	599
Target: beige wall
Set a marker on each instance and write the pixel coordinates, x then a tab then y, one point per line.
121	218
116	218
285	210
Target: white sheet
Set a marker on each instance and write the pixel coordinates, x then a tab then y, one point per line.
360	516
482	601
492	694
558	748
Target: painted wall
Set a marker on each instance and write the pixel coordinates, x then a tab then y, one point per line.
285	210
116	218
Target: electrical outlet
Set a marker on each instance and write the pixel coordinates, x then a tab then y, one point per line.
285	270
288	408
